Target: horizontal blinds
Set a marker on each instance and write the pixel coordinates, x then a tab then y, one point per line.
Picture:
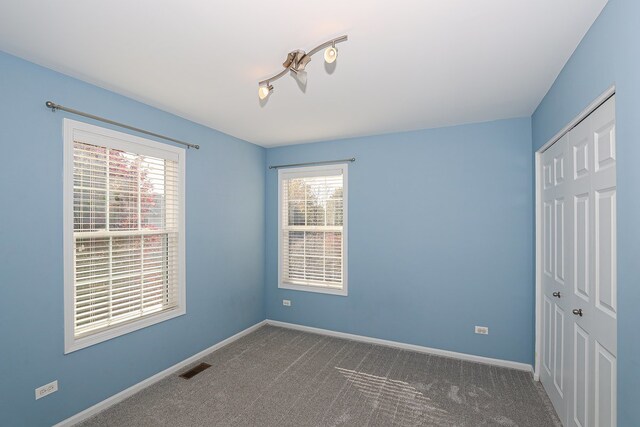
125	212
312	230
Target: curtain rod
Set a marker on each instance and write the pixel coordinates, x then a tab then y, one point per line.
55	107
327	162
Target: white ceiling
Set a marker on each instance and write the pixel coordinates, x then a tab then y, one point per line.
408	64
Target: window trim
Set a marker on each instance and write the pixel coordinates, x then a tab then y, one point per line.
71	343
309	171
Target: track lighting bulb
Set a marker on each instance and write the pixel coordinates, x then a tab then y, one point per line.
264	91
330	54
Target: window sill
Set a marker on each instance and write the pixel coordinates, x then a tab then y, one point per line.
316	289
73	344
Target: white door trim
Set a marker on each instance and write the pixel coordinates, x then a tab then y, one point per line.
538	215
580	117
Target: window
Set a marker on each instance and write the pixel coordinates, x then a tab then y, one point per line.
312	230
124	233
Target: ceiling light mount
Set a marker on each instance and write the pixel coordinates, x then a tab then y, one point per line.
297	61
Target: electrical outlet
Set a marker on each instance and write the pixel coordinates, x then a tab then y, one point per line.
286	302
46	389
482	330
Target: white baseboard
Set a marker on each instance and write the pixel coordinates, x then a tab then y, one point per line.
116	398
463	356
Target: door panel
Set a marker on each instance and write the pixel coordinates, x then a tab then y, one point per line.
547	180
548	238
581	158
558	356
605	252
580	376
605	146
605	386
547	334
559	240
581	246
558	163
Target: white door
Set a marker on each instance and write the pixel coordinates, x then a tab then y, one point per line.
556	274
594	301
579	218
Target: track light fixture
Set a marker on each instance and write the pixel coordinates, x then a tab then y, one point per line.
297	61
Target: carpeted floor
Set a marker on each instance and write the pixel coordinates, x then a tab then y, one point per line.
282	377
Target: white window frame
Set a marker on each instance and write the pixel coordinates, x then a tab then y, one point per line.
310	171
125	142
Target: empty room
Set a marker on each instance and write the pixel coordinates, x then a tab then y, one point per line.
320	213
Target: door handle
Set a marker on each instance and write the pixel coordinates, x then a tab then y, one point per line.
556	294
577	312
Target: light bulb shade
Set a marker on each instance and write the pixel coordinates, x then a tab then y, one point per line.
264	91
330	54
300	76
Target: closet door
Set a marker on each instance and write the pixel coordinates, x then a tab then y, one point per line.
594	300
579	297
556	274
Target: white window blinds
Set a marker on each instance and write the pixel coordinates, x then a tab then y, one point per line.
126	233
312	228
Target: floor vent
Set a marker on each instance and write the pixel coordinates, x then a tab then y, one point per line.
194	371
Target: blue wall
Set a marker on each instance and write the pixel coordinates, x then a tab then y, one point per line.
225	254
610	54
440	239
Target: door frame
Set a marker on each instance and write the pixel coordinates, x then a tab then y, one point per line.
538	217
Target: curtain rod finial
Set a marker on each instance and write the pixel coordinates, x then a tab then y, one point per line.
51	105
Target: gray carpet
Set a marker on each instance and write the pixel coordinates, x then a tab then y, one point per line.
282	377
